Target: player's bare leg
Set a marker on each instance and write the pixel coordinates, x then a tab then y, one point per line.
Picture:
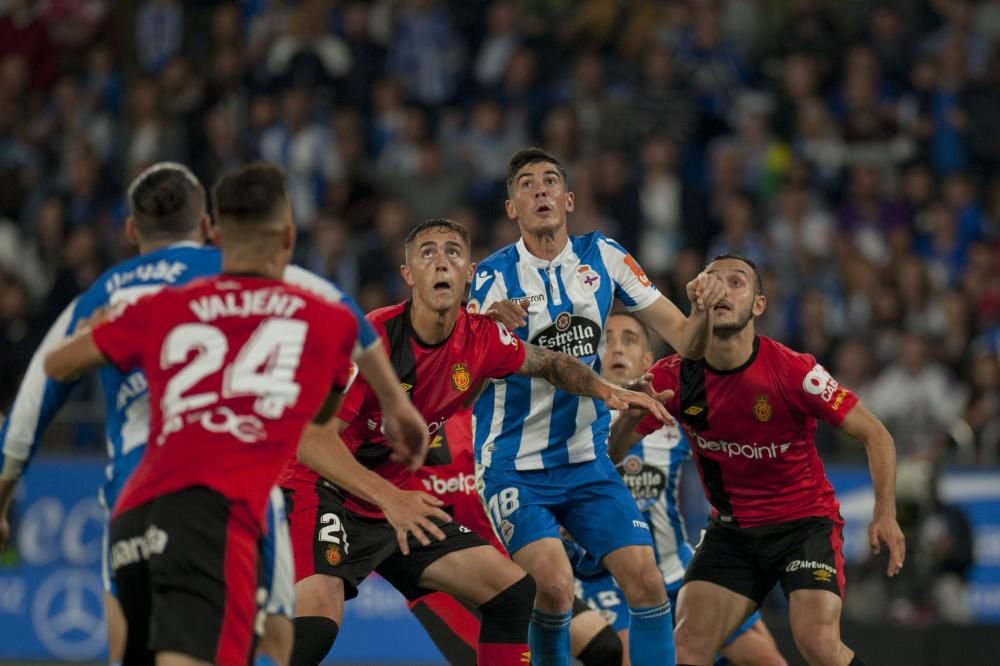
754	647
501	591
706	614
588	626
319	612
650	625
178	659
546	561
117	628
279	636
815	619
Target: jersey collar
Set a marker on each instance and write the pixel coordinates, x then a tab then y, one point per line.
538	262
740	368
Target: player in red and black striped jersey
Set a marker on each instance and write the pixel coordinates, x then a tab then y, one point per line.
750	409
342	530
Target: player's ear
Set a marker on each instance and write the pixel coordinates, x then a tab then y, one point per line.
471	272
647	359
759	305
205	227
131	231
215	235
511	210
569	202
404	270
288	237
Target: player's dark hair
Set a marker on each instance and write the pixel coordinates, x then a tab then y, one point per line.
759	291
437	223
526	156
631	315
166	201
249	194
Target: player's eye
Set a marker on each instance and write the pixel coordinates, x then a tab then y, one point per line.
551	181
525	184
452	252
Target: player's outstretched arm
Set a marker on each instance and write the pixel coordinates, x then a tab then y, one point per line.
405	428
74	357
688	335
569	374
623	434
863	426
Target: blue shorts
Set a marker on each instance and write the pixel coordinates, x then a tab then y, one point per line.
604	596
589	499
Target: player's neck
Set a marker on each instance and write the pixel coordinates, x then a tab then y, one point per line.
432	327
546	244
145	247
267	268
732	351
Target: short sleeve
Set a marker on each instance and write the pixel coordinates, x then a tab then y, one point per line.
122	337
811	388
664	378
354	400
503	349
488	287
632	286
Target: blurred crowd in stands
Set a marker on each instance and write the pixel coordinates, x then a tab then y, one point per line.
852	149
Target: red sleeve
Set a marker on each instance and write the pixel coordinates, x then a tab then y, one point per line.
346	328
811	388
664	377
122	338
353	401
501	347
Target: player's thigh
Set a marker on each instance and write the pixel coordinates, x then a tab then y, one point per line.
204	568
634	567
752	645
474	575
706	614
600	513
330	542
177	659
809	556
117	629
278	638
815	614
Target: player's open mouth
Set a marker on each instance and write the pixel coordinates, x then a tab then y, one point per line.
723	307
619	366
442	286
544	208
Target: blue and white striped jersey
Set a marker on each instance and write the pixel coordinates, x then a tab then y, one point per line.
125	396
652	472
526	423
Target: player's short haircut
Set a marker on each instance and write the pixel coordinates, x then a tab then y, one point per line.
250	195
642	327
437	223
166	201
759	290
526	156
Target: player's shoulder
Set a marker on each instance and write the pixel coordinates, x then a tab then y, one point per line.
380	316
174	264
589	242
503	257
320	286
773	351
668	364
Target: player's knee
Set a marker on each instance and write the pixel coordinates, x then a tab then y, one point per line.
276	643
693	643
554	593
643	587
817	641
604	649
320	596
506	616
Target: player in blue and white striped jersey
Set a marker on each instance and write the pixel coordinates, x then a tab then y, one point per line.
542	452
652	472
169	223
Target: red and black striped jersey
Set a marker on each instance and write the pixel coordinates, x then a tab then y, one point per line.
752	431
439	378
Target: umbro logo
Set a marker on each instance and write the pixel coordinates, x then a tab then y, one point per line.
406	387
694	410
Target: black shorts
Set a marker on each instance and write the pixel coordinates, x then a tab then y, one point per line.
187	572
330	540
804	554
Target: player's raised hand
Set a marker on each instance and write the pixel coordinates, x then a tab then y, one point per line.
632	401
417	513
884	528
510	314
705	291
406	434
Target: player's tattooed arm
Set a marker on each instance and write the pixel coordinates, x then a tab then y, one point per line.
569	374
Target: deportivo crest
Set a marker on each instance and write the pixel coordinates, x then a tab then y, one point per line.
588	278
460	377
762	409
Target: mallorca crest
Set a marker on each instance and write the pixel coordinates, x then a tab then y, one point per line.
460	377
762	409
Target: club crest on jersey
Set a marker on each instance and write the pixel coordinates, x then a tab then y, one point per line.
460	377
762	410
632	465
333	555
472	306
589	278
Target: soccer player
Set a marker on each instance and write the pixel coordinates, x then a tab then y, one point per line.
749	409
169	223
443	355
449	474
542	450
651	470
